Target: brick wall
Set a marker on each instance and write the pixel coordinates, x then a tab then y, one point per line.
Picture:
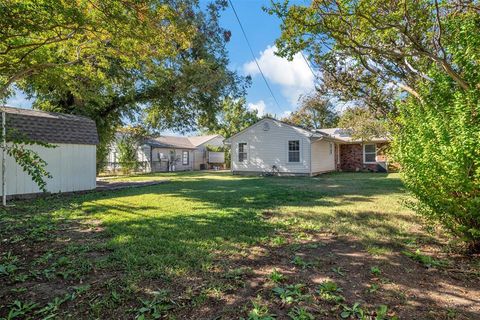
351	157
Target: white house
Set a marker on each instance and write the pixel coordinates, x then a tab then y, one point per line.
273	146
72	162
168	153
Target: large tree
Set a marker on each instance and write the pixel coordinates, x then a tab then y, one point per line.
415	63
315	111
161	62
233	118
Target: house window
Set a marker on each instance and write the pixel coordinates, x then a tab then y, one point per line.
185	158
242	152
294	151
331	148
369	153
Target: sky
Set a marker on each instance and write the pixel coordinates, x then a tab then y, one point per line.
288	79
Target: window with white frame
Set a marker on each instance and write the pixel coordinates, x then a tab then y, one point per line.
369	153
242	152
294	151
185	157
331	148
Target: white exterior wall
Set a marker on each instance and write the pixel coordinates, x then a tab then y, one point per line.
200	154
72	166
160	158
322	159
268	148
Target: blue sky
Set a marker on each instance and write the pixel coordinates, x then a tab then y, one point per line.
288	80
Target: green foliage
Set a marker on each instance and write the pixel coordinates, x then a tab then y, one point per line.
330	291
291	293
19	310
233	118
415	66
127	146
276	276
154	308
339	270
300	262
260	312
315	112
19	148
354	311
437	143
427	261
375	271
299	313
363	124
114	62
8	264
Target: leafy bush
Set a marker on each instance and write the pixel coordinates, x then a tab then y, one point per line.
127	154
438	146
437	141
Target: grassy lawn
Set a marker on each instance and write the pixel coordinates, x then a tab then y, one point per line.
215	246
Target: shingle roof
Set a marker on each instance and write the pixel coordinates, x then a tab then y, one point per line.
50	127
179	142
198	140
345	135
170	142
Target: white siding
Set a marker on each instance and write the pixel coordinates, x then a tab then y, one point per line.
200	154
322	159
270	147
72	166
160	158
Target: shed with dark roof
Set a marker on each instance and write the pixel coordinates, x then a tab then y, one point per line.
72	160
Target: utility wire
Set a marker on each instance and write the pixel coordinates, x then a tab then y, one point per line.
253	55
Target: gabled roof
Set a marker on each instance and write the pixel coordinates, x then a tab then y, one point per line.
331	134
50	127
199	140
179	142
308	133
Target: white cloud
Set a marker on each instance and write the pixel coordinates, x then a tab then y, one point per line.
259	106
294	77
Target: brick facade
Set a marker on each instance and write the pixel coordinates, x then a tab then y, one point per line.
351	157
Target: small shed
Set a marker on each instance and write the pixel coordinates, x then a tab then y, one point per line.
72	162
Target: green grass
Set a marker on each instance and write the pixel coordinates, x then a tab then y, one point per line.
190	224
176	226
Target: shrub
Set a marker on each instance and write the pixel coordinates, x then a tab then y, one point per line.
437	143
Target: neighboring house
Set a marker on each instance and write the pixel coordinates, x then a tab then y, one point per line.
272	146
171	153
71	163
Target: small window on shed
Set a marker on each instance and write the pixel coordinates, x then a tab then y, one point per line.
294	151
242	152
185	157
369	153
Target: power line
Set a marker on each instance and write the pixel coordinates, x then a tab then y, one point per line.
253	55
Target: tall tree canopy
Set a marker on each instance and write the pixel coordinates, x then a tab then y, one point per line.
417	63
162	62
233	118
315	112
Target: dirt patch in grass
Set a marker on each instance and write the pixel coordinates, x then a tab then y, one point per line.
409	289
283	277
